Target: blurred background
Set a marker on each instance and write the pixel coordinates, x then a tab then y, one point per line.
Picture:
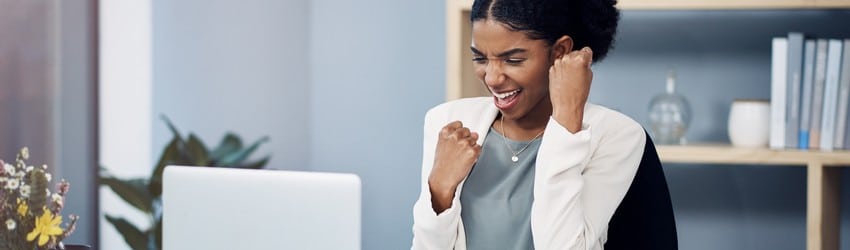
343	86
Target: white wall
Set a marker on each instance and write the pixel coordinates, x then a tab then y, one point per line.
378	65
242	66
124	105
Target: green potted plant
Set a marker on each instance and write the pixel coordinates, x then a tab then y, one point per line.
145	194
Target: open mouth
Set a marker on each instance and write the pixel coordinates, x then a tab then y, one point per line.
506	100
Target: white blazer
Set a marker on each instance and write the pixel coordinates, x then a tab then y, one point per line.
580	178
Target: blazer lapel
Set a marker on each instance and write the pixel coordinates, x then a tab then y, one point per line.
484	121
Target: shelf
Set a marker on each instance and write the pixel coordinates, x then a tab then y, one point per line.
823	180
727	154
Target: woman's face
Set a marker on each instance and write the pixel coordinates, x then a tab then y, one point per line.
514	68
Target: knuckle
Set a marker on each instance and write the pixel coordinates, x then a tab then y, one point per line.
452	136
444	132
451	125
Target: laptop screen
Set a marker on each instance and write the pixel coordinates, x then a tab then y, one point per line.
225	208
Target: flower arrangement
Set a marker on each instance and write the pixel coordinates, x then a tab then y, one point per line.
30	213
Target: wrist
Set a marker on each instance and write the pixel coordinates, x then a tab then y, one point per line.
569	118
441	190
441	196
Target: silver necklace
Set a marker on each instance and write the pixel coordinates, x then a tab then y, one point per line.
515	157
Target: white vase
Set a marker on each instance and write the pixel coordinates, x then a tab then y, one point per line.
749	123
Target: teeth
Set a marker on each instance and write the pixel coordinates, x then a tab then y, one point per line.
506	95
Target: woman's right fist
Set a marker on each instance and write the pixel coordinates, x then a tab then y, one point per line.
457	150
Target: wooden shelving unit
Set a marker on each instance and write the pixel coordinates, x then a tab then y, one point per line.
726	154
823	188
823	168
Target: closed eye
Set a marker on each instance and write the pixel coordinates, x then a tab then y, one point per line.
514	61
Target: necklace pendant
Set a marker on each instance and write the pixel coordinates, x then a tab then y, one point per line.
514	158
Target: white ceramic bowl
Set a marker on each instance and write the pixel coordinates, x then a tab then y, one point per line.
749	123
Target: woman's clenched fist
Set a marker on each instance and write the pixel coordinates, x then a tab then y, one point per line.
569	85
456	153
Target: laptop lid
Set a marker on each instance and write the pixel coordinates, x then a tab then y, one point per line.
226	208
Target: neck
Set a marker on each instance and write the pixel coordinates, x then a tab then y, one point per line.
530	124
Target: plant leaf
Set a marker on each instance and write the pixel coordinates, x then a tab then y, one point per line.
197	151
234	159
228	145
257	164
38	188
171	126
181	144
170	155
158	233
133	191
132	235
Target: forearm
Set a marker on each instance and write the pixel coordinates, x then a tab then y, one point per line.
441	198
558	214
581	179
432	229
570	117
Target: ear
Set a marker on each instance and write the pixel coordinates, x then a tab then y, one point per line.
562	46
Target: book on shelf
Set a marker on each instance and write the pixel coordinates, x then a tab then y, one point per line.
842	138
817	94
830	95
794	77
806	98
779	64
810	93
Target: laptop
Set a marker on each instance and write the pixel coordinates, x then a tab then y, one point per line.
226	208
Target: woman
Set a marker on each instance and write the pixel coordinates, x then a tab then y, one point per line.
535	166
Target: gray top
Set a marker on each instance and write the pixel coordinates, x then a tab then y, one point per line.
497	195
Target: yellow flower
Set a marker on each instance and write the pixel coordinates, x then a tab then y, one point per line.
22	207
46	227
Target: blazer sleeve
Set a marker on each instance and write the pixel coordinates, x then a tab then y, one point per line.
431	230
580	180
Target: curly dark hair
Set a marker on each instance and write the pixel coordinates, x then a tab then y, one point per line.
591	23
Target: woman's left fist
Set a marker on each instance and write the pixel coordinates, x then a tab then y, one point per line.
569	86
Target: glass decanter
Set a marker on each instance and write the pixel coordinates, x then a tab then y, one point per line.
669	114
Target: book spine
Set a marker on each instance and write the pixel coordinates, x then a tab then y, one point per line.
806	98
794	77
841	125
779	59
830	95
817	93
